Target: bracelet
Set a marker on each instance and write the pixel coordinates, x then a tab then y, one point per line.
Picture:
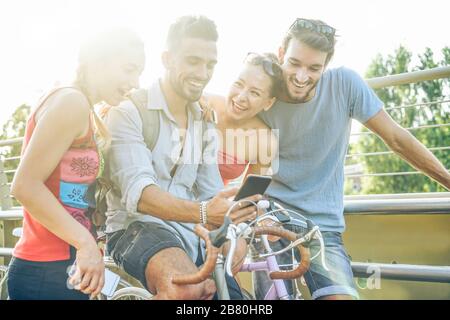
203	213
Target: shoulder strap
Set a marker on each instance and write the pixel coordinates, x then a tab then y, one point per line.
209	115
150	118
204	128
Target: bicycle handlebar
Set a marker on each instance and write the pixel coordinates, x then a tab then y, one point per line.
212	253
302	267
208	267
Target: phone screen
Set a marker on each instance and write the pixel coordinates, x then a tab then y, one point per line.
253	184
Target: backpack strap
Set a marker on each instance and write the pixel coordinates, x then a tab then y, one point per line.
209	115
150	118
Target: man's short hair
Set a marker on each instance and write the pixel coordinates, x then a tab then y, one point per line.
314	33
191	27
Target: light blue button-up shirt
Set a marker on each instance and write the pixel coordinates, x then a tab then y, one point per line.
132	166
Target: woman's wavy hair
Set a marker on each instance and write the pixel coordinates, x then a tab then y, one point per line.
95	50
269	62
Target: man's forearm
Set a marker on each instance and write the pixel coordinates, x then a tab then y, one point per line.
416	154
163	205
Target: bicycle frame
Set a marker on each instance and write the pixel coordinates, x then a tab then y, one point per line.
277	291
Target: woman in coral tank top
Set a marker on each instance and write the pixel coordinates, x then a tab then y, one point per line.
60	159
247	142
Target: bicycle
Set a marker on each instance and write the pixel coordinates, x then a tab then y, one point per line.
215	261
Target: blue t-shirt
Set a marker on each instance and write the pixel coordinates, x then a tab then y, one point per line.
313	142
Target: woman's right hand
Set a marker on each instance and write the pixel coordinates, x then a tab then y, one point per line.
89	276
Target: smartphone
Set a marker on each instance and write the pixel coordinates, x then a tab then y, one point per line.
253	184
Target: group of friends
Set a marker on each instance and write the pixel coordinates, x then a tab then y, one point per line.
285	115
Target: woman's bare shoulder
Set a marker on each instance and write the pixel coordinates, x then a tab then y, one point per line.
215	101
67	103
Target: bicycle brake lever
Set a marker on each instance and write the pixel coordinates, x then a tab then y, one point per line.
231	235
310	224
282	217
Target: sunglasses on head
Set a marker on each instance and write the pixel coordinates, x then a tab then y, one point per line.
314	26
271	68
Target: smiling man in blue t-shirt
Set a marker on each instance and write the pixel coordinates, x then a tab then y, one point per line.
313	117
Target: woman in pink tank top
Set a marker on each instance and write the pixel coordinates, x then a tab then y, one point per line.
248	144
60	160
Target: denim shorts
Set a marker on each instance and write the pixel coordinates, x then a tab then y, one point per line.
31	280
337	281
132	248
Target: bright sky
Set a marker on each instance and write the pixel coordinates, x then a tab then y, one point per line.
40	38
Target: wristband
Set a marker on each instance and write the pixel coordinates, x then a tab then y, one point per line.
203	213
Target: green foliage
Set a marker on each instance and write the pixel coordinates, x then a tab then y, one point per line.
14	128
439	113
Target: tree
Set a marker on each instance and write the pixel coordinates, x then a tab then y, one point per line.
14	128
409	94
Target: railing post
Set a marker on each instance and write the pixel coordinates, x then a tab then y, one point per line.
5	199
7	240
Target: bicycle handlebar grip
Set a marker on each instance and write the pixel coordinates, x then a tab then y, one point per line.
208	266
291	236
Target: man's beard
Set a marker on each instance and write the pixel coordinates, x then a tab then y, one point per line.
182	92
305	98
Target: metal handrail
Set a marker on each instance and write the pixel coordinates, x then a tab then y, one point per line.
11	158
12	214
419	195
6	252
409	77
406	272
379	153
438	203
383	174
397	206
423	104
402	272
10	142
409	129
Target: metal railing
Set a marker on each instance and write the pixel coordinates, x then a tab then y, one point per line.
409	77
11	214
10	142
398	206
379	153
402	272
405	204
427	195
396	80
